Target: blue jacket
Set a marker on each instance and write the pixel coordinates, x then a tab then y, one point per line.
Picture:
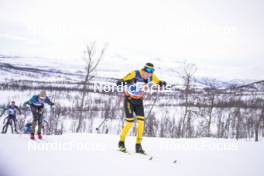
36	102
12	110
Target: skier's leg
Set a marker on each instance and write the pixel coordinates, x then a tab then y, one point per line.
40	126
124	133
34	123
9	123
12	128
12	123
32	134
140	129
128	125
129	120
15	124
15	127
139	110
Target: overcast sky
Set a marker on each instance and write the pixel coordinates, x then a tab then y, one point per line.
223	37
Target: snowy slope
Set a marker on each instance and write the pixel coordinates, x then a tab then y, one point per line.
92	154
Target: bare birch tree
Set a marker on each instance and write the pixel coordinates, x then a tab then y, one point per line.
92	59
187	75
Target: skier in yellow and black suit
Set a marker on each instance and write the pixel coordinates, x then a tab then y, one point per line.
136	81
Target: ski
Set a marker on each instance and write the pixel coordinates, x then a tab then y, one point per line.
38	141
126	152
146	155
150	157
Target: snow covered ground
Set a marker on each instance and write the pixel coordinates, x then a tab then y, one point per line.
94	154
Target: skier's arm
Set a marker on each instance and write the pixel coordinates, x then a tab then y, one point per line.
157	81
29	102
19	110
130	76
47	100
126	79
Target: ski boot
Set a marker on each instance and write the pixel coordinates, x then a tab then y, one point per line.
121	146
139	149
39	136
32	136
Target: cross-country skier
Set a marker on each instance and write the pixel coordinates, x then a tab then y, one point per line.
36	104
136	81
12	112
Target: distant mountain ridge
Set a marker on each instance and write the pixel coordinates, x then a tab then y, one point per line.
10	68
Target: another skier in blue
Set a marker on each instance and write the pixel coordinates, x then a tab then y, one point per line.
12	111
36	104
28	128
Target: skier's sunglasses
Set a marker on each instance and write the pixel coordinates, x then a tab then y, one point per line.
149	69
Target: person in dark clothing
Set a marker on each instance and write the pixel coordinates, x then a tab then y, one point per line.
11	118
36	104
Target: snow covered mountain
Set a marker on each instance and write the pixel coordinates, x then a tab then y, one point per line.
44	69
214	83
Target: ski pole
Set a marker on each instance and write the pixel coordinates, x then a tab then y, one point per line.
154	102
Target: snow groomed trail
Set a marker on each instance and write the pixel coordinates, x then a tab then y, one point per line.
96	154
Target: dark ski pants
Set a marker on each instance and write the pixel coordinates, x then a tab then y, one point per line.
133	106
37	118
10	118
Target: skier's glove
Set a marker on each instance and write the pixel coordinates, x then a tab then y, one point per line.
120	82
25	108
163	83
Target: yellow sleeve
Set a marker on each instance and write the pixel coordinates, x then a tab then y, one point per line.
155	79
129	76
